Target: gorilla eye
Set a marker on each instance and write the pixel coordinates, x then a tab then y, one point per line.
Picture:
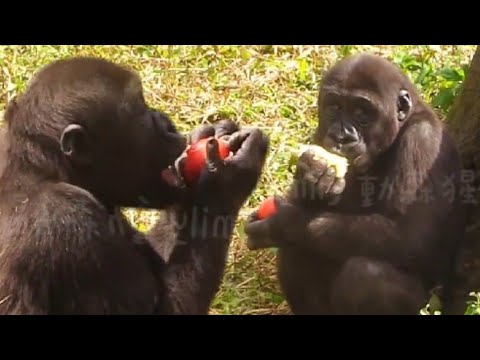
361	116
333	107
358	112
162	122
331	111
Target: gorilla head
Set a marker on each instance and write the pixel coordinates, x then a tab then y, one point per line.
85	121
363	102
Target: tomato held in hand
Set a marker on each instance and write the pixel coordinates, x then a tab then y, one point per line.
267	208
196	155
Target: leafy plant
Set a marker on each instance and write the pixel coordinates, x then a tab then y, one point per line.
438	86
473	306
433	307
450	84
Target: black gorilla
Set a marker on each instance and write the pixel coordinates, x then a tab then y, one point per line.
379	240
82	144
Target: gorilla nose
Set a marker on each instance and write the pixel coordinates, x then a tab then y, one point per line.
346	135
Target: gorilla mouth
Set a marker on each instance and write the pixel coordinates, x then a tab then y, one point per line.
170	176
350	153
354	154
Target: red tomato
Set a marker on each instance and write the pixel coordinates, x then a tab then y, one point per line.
196	157
267	208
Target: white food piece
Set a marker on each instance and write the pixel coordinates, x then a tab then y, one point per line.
338	162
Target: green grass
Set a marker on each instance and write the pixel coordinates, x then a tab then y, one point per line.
271	87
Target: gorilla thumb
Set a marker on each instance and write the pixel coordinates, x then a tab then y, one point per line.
213	161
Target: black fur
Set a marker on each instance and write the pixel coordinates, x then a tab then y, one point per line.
343	252
83	144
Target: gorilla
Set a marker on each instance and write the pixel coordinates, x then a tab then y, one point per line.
82	145
379	240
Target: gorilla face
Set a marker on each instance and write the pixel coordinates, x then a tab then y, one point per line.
90	115
362	104
344	123
131	166
157	145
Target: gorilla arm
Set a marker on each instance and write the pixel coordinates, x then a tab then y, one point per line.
400	229
201	228
195	262
399	240
341	236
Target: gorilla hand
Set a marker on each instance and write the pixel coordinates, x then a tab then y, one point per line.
222	129
224	185
287	225
315	174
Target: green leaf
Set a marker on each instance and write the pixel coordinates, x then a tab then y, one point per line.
287	111
410	63
245	54
276	298
346	50
473	307
435	303
425	71
451	74
443	99
303	69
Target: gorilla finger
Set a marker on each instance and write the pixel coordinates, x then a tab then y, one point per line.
307	164
326	181
236	140
280	201
311	177
338	186
318	165
260	243
213	162
302	166
258	235
253	149
225	127
256	228
201	132
306	157
252	217
310	174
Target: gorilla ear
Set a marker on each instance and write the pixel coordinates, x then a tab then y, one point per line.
75	144
404	105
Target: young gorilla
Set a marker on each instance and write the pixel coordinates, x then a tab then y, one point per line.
377	241
83	144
